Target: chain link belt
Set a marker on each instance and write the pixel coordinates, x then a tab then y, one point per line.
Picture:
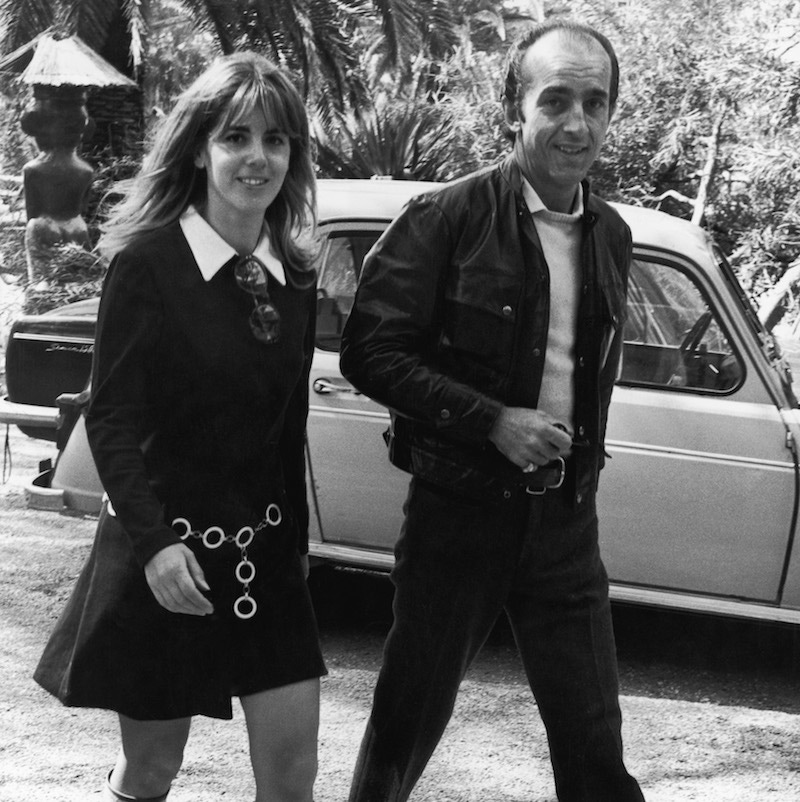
212	538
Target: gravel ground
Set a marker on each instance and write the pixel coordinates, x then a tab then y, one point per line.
711	708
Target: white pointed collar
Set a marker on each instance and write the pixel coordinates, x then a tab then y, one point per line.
211	252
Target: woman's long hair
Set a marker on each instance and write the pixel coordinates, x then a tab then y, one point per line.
169	181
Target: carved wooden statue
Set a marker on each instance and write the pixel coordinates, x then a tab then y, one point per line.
57	181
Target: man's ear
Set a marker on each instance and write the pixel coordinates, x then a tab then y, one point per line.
511	113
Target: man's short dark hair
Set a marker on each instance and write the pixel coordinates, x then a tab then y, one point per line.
514	86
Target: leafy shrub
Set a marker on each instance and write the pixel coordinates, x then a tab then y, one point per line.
72	274
12	252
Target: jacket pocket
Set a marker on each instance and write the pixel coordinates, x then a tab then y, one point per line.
480	315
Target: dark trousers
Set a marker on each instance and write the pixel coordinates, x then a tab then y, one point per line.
459	564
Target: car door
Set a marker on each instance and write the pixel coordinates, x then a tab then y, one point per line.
358	494
699	490
698	493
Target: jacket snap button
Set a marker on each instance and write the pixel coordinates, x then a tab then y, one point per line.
444	414
579	498
581	431
507	310
537	352
581	362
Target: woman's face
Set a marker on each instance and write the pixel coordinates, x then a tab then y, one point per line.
246	164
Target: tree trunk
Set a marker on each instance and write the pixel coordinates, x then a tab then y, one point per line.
708	169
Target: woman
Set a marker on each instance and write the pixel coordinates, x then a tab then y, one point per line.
195	590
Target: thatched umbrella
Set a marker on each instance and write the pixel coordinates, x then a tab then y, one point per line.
113	100
68	61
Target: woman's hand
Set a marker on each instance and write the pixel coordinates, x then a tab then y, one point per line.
176	579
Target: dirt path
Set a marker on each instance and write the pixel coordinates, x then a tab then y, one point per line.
715	734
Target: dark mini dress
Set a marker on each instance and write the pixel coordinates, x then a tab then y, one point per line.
197	430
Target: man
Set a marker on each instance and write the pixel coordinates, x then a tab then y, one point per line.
489	320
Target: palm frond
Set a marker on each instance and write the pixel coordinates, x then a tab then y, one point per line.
22	21
136	13
401	24
403	141
440	28
220	17
92	20
335	38
312	38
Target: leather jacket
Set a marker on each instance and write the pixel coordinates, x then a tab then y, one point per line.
450	324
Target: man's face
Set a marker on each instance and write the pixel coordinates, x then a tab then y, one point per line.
562	119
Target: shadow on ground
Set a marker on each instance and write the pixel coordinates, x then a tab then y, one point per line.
662	654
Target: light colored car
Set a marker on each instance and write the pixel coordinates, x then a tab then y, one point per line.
698	502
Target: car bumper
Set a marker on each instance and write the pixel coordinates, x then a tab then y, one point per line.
29	415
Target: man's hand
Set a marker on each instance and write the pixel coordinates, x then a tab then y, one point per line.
529	436
176	579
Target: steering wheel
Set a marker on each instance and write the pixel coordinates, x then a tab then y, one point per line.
689	347
691	340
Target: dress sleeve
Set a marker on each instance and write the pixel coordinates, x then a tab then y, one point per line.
128	328
293	436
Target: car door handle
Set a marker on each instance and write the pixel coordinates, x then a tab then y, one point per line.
324	386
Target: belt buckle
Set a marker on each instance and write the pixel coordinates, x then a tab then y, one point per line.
560	481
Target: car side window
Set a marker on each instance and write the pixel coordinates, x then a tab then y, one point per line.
673	337
338	270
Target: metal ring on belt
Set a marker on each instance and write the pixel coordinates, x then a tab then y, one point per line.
213	537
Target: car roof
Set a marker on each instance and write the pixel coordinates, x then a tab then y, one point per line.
366	199
653	229
383	199
360	199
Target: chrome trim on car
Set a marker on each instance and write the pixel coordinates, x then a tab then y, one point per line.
354	557
28	414
670	452
56	339
690	602
335	412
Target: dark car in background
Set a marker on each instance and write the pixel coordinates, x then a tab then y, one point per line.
699	499
47	356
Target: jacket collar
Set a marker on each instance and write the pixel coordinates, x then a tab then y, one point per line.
211	252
